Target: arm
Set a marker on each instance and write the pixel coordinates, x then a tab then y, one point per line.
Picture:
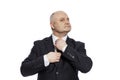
75	54
78	58
37	61
33	63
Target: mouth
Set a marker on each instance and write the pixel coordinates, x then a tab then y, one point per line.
68	26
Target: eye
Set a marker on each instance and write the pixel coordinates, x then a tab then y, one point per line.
68	19
62	19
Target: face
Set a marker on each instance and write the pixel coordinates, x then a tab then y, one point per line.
60	23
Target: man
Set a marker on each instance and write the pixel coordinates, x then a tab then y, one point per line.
57	57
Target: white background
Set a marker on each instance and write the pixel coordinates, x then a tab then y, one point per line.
95	22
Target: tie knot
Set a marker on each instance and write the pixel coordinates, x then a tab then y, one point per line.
58	40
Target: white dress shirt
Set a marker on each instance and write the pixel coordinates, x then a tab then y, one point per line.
54	38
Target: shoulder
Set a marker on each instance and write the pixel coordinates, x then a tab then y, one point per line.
77	43
39	42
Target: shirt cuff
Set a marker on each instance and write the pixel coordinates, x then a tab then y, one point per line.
64	48
46	61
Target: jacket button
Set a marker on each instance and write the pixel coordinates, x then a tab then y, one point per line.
73	57
57	73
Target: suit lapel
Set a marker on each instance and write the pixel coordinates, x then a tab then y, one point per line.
70	42
49	44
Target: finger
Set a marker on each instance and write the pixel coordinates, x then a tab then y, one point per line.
59	54
58	57
57	60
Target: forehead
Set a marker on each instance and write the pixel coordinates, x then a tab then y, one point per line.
58	15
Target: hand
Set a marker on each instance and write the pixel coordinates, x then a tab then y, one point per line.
60	44
53	57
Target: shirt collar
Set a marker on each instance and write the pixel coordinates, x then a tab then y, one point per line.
55	38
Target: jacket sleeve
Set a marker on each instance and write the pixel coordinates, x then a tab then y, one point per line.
78	58
33	63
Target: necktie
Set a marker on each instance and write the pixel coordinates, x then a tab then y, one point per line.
56	49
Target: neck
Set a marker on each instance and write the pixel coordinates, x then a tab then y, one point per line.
59	35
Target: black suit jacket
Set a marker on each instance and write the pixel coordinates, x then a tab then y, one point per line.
73	59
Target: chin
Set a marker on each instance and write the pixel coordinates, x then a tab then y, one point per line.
68	30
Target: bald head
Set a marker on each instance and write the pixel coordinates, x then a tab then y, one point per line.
56	14
59	22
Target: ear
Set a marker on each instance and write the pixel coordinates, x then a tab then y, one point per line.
51	25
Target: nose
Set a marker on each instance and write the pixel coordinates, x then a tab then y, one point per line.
67	21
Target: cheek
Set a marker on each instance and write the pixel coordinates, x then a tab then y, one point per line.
59	26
